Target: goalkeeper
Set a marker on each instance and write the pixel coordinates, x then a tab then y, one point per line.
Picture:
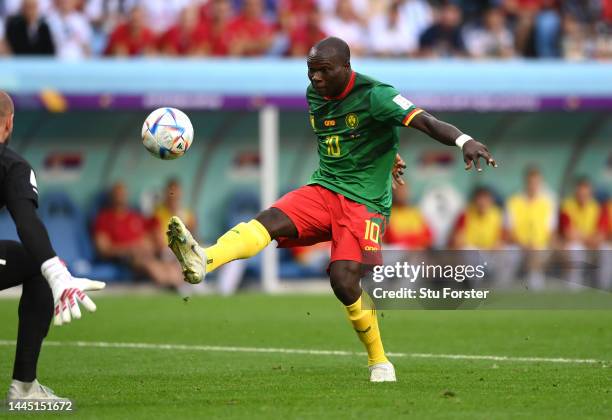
48	287
347	201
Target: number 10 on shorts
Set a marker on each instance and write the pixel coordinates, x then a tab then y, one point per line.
372	231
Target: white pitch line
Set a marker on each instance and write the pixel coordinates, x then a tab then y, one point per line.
188	347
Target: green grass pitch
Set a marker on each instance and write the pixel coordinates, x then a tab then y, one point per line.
188	383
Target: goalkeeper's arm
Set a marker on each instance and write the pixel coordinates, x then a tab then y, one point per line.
67	291
31	230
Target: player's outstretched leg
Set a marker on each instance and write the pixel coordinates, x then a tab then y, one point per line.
187	251
344	277
242	241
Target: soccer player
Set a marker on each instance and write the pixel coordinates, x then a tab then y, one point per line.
48	287
348	198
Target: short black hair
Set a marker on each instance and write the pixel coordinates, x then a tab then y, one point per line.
583	180
480	190
333	47
531	170
173	182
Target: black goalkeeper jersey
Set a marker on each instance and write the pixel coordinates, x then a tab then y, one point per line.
17	179
19	193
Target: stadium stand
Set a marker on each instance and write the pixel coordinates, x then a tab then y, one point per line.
502	29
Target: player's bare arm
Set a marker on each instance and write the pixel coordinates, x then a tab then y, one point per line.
450	135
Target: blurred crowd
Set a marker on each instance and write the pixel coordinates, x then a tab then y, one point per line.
580	226
75	29
124	235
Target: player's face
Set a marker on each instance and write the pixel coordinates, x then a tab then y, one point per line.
328	77
119	196
533	183
483	201
584	192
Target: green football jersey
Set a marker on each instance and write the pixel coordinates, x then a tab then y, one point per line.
358	136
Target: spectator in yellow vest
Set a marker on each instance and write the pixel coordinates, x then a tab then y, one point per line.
579	228
172	205
530	225
480	226
531	215
580	218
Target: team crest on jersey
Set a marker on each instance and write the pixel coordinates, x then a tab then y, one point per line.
352	120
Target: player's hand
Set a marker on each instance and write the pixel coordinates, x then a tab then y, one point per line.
398	171
68	292
473	151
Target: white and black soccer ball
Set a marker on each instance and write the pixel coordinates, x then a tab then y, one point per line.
167	133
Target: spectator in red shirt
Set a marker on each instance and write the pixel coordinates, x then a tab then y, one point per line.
294	12
305	35
297	8
605	221
249	33
605	228
607	10
217	15
133	37
124	235
189	36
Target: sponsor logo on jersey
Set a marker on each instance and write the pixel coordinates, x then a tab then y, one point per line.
403	102
371	248
352	120
329	123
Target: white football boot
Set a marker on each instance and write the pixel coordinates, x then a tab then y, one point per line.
191	255
30	391
382	372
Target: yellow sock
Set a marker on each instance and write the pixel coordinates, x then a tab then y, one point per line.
366	326
242	241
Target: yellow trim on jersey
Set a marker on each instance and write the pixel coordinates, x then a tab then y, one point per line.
408	119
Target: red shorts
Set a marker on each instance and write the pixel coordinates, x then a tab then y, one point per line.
322	215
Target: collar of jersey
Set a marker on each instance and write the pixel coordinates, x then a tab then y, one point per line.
346	90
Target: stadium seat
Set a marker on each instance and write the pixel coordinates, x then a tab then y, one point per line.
71	240
7	227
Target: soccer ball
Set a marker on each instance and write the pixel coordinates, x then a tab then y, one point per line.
167	133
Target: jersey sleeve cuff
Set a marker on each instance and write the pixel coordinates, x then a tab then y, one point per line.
409	117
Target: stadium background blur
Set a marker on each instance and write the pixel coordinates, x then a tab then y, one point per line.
74	29
551	192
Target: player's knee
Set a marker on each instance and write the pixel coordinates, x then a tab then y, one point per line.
20	266
277	223
36	298
344	279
